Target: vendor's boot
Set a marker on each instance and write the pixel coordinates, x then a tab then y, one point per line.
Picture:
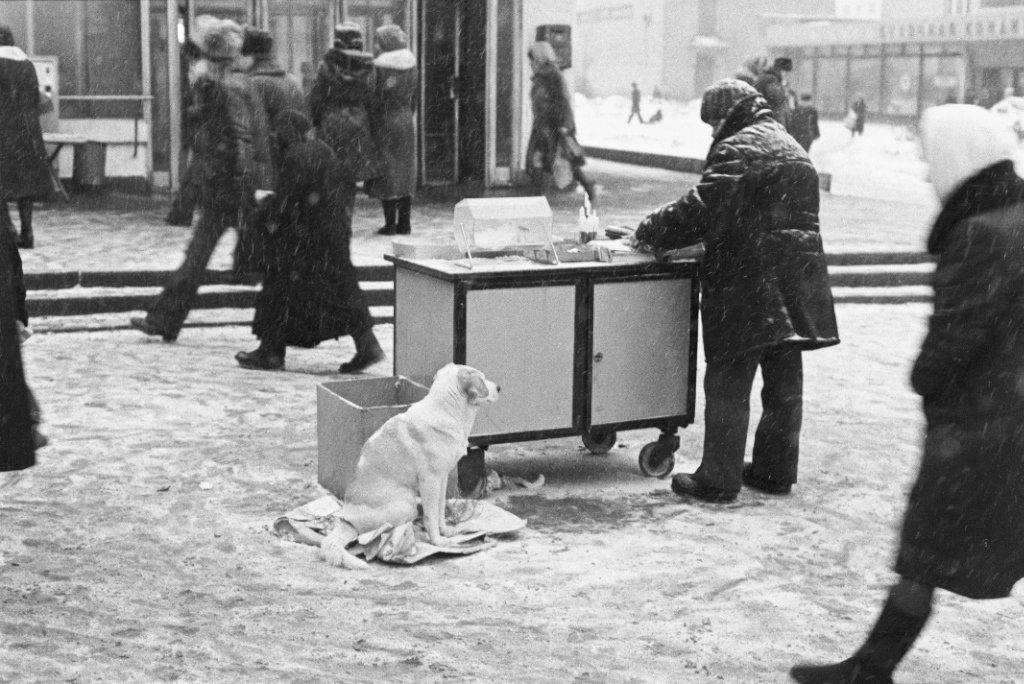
891	638
404	216
390	208
268	356
368	352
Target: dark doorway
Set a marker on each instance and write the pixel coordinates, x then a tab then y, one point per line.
452	121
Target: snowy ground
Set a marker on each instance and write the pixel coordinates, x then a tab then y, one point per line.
884	163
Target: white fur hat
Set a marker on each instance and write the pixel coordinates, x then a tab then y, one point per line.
219	39
960	140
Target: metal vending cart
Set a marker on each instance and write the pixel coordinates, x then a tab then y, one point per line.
578	348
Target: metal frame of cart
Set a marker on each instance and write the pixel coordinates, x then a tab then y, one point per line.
579	349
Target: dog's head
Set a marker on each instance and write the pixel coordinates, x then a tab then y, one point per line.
470	383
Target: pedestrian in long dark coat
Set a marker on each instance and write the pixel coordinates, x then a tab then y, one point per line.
17	445
24	172
235	163
311	291
964	526
395	94
860	111
553	134
339	102
765	295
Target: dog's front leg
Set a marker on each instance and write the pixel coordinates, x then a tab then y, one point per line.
432	492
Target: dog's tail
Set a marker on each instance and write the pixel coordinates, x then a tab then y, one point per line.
334	549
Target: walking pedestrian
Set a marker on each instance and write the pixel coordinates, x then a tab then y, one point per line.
963	530
770	81
765	296
235	163
274	91
396	86
552	148
635	109
310	289
860	113
803	123
339	102
25	175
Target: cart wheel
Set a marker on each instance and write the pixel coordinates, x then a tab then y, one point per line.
598	441
656	460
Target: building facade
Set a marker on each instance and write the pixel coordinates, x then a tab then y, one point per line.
117	72
677	46
918	54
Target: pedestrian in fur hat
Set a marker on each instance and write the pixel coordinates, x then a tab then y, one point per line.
552	141
24	169
765	296
963	530
770	81
234	162
348	35
395	95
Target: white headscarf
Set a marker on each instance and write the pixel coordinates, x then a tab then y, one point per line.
959	141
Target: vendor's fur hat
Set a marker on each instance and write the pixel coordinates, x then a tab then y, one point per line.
391	37
257	42
348	35
220	39
720	97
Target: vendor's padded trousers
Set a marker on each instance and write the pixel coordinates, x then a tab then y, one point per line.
727	385
173	304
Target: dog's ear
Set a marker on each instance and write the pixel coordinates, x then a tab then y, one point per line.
471	382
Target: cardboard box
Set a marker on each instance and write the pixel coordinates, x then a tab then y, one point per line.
347	413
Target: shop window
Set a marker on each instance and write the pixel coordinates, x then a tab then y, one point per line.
99	46
831	82
940	82
865	81
302	32
900	86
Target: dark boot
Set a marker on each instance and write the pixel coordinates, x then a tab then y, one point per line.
390	208
368	352
404	216
150	328
268	356
26	239
891	638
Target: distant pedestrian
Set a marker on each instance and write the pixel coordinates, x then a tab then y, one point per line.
339	105
232	170
635	109
771	82
310	288
963	530
24	168
655	117
803	122
553	149
393	121
860	113
765	296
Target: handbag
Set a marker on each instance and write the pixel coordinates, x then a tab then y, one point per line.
850	120
561	171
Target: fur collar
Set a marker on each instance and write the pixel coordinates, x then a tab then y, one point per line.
401	60
995	187
12	52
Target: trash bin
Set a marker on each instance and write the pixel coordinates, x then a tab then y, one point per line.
90	165
347	413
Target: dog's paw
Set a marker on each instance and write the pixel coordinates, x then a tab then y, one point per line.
333	550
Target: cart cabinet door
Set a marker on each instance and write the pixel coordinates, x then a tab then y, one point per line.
640	358
522	338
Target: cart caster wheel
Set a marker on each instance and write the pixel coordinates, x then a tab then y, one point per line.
657	460
598	441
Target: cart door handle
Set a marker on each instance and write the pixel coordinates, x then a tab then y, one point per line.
598	357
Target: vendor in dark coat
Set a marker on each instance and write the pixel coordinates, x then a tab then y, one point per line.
553	133
395	93
964	525
311	290
24	176
765	291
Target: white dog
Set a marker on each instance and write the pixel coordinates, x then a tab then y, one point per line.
408	461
